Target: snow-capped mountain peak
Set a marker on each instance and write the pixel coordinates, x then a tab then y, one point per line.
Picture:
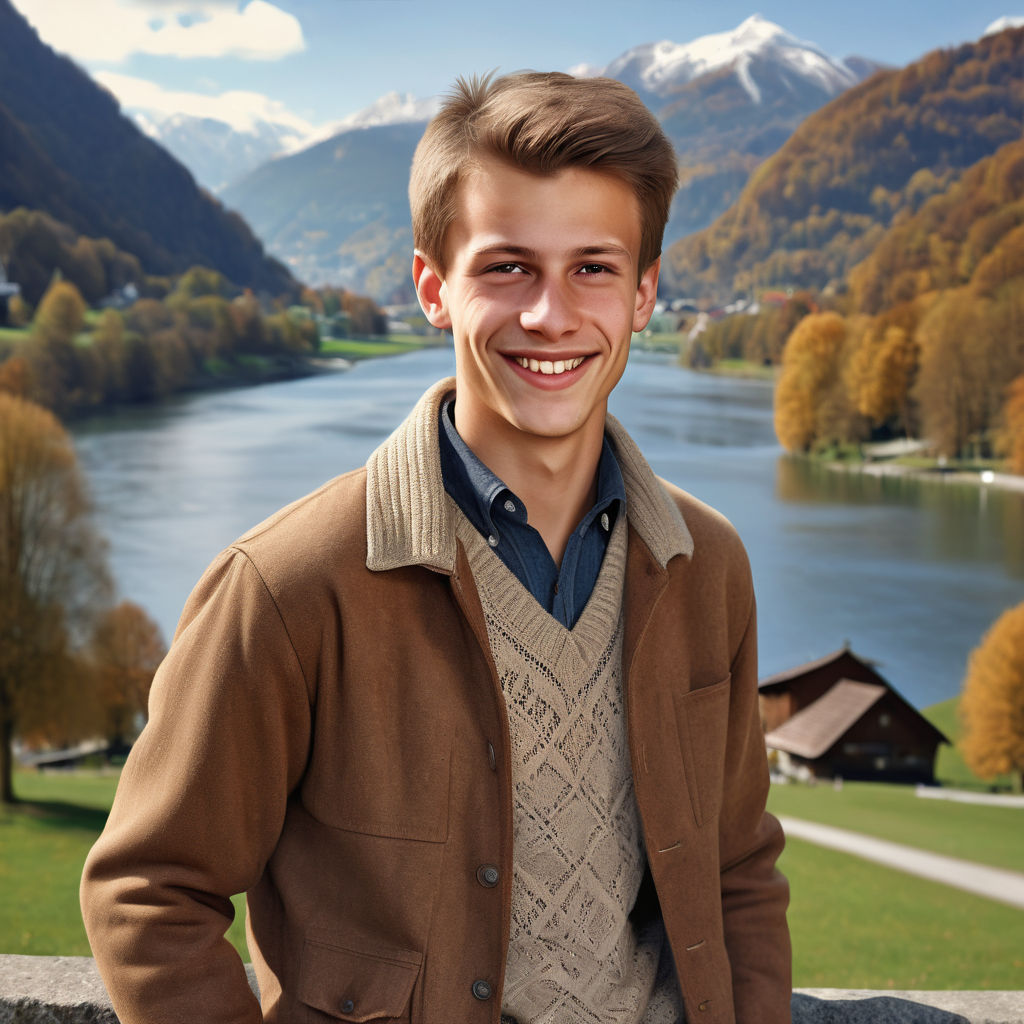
1003	23
656	68
391	108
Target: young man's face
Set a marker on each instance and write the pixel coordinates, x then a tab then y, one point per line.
541	295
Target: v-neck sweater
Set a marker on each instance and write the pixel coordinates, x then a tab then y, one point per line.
578	858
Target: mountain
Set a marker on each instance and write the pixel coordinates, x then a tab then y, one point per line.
726	101
66	149
657	70
215	151
223	150
870	157
338	211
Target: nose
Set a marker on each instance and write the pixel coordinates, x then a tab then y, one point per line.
552	311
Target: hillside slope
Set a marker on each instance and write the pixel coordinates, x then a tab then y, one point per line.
66	149
868	158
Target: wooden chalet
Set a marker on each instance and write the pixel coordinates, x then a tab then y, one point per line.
838	717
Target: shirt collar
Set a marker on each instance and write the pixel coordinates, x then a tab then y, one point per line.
407	521
476	488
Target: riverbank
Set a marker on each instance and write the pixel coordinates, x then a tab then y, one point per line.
982	478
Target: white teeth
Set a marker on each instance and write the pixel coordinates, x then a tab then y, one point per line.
546	366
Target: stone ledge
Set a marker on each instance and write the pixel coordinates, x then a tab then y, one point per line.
68	990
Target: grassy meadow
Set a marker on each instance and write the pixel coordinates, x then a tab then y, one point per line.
988	835
43	844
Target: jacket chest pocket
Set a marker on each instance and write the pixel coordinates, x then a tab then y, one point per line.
336	983
390	779
702	717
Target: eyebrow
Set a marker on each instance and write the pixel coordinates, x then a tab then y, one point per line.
508	249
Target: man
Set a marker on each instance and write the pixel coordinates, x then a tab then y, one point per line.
475	727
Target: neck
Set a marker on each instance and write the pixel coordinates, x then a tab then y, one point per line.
555	477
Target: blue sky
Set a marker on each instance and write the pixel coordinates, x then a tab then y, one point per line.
320	60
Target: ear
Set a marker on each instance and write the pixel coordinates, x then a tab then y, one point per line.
431	292
646	296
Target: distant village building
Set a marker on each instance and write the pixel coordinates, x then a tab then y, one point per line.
8	289
121	298
838	717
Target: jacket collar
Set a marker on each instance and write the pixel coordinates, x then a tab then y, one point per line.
407	521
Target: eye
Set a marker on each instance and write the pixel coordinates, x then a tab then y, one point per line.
506	268
591	269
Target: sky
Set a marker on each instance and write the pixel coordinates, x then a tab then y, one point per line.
314	62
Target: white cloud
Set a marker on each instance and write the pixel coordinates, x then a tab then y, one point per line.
236	107
112	30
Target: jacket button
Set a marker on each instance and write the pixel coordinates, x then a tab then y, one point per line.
706	1005
348	1006
482	989
487	875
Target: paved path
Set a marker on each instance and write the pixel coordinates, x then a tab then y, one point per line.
994	883
964	796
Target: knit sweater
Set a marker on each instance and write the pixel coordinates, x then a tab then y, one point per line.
578	857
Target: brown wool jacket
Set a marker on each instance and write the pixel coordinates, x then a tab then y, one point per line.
328	735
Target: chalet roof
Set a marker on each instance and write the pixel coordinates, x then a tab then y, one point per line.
810	666
812	731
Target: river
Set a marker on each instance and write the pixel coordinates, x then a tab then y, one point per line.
910	573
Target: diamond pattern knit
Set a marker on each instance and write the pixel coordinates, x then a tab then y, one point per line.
578	857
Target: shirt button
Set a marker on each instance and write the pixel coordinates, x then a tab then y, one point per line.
492	540
605	521
487	875
348	1006
510	506
482	989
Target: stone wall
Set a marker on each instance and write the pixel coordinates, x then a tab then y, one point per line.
68	990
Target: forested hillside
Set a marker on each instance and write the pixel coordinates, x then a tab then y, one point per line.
66	149
868	159
932	343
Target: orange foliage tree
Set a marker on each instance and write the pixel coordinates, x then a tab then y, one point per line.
1013	433
808	398
125	651
992	705
52	570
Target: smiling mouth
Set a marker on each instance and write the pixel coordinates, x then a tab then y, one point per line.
547	366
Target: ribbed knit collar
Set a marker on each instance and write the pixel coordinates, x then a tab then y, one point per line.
408	522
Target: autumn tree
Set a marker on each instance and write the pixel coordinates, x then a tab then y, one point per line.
1013	430
52	568
992	705
810	405
125	651
61	313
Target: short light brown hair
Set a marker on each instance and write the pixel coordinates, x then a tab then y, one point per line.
541	122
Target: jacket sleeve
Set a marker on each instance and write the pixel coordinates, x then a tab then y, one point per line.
199	807
754	893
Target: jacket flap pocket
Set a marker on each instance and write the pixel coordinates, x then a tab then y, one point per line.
358	986
703	716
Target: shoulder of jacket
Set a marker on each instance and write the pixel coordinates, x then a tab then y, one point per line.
318	529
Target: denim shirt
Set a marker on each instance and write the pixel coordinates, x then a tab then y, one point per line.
501	517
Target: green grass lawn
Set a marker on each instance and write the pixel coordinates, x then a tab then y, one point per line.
950	768
988	835
43	845
856	924
371	348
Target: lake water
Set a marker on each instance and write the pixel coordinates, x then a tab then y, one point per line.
910	573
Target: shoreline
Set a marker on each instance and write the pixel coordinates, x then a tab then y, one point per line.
998	481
